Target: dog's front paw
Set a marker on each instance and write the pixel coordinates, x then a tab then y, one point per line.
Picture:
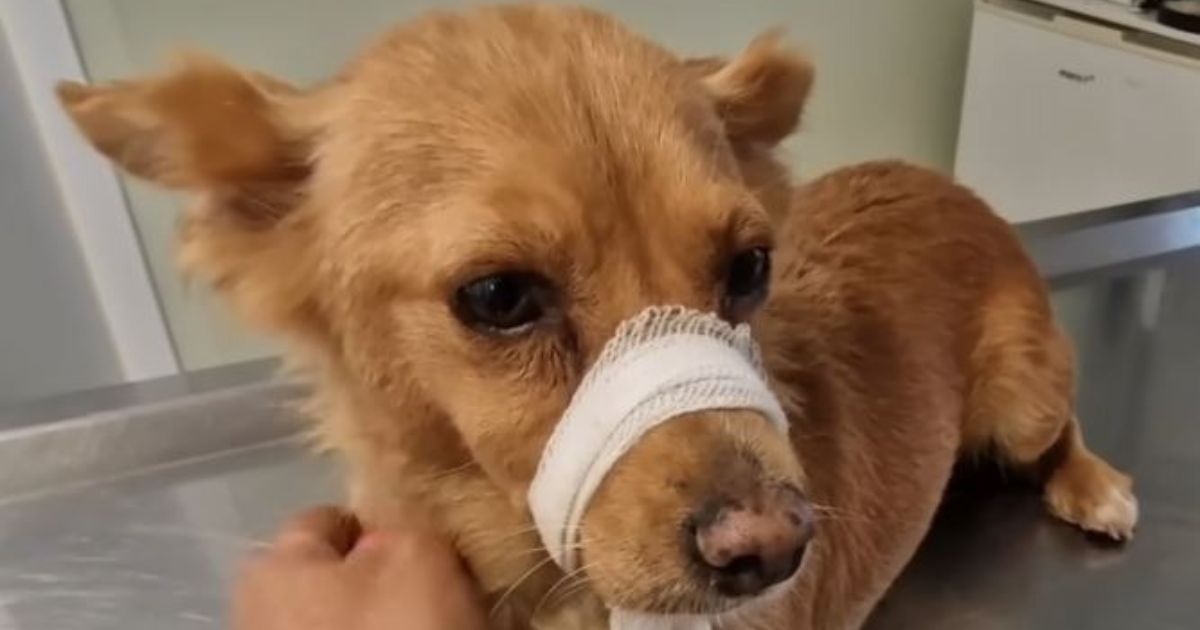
1087	492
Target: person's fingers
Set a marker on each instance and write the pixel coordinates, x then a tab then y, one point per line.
325	533
424	571
396	552
407	545
382	547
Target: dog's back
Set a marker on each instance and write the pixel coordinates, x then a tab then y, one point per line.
912	329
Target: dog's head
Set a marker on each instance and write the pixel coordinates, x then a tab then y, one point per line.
460	220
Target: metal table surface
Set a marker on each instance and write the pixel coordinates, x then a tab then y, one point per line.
155	549
994	560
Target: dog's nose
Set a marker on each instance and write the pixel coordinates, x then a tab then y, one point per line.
745	549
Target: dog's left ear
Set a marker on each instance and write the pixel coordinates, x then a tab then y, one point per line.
760	94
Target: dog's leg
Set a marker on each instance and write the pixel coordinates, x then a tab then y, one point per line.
1022	407
1085	490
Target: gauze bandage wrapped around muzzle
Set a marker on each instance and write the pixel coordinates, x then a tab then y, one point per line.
660	364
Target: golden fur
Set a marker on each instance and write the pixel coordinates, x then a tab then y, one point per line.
905	326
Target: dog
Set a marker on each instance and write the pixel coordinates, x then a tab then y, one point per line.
450	230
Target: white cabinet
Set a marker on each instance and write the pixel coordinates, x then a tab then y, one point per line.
1062	115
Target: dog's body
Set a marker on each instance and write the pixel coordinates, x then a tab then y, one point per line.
906	313
452	229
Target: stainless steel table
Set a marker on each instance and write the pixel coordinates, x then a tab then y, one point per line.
153	547
154	551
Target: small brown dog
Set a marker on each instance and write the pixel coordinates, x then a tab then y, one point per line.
451	229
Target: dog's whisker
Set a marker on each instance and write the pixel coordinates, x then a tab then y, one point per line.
568	578
576	587
436	475
523	531
541	549
515	585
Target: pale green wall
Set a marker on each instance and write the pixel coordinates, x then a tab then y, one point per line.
889	83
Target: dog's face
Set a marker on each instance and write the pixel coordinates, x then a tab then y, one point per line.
459	222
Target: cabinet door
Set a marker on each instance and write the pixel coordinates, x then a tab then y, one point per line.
1056	122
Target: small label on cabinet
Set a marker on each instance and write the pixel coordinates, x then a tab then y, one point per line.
1076	76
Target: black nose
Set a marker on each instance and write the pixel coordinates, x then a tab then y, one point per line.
745	549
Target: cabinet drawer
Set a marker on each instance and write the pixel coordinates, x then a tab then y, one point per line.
1059	118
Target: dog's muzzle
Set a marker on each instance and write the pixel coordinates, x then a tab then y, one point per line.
660	364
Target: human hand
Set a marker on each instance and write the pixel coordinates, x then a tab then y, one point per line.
324	573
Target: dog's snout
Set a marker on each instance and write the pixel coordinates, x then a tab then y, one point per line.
745	548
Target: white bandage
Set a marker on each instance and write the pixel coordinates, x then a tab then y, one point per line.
660	364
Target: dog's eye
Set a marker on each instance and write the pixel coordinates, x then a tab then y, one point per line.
746	281
507	303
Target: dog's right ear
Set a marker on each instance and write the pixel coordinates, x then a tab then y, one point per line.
202	126
243	144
